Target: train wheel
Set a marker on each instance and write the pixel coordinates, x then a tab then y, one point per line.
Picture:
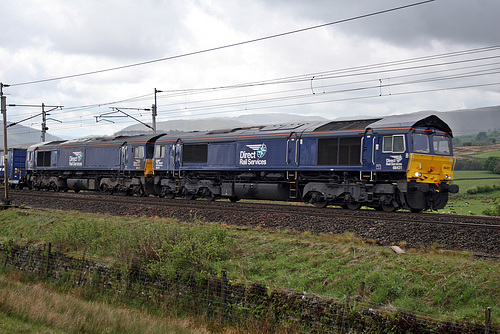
387	207
320	204
416	210
318	200
190	196
234	199
352	205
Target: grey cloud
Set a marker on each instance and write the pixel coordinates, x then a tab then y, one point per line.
124	29
456	21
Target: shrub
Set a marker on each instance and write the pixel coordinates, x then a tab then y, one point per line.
482	136
170	248
496	168
492	212
491	163
468	164
190	251
471	190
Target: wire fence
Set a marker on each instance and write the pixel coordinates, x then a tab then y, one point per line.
231	302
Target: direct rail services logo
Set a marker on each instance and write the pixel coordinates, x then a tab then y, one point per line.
76	160
254	157
395	161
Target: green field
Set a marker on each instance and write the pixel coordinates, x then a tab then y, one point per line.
471	204
486	155
476	204
466	179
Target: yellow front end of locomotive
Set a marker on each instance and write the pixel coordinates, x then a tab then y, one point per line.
430	168
148	168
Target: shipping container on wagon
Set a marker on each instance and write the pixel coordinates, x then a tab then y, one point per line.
16	160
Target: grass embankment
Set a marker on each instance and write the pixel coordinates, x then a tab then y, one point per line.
446	285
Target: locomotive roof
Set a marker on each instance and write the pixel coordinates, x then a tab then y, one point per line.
108	141
278	129
389	123
411	121
346	125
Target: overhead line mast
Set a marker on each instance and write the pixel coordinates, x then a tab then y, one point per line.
3	98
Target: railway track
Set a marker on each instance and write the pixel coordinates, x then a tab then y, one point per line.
477	233
480	222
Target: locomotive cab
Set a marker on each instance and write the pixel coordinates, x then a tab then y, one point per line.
416	156
430	169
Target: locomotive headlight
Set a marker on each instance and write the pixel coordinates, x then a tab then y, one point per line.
418	174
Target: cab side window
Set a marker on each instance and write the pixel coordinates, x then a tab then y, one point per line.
393	144
139	152
159	151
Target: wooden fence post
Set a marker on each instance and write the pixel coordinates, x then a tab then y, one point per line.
487	321
362	291
346	308
81	267
223	290
208	298
47	270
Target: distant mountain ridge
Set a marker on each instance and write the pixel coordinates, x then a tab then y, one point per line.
219	123
20	136
470	121
462	122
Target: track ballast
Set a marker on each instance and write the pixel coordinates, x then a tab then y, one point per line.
453	232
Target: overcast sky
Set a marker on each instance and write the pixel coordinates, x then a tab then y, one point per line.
441	55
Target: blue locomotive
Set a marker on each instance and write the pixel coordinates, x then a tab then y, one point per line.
384	163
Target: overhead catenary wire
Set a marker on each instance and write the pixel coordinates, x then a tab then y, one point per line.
479	66
295	104
307	77
326	101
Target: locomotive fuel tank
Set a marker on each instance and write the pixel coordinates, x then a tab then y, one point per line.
264	191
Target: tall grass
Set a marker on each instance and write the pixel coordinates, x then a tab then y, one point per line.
39	304
163	246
